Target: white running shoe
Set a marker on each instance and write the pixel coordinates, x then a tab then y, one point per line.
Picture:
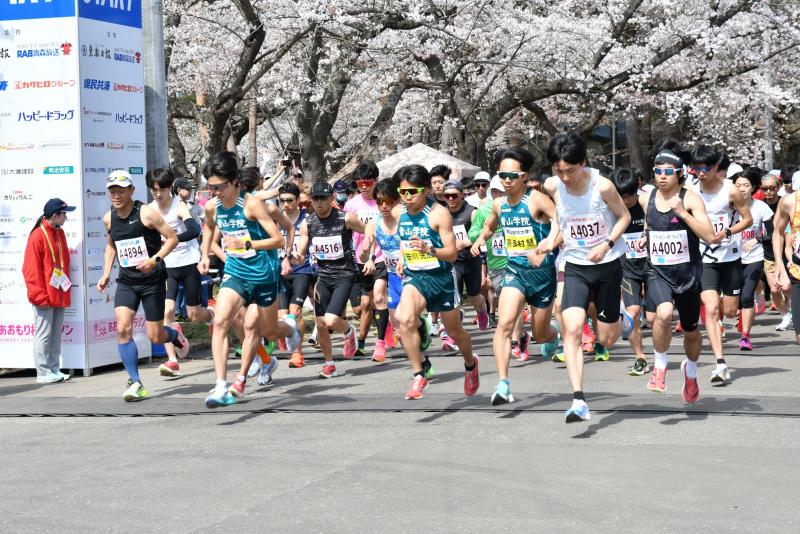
786	323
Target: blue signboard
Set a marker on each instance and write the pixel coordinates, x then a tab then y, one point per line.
123	12
37	9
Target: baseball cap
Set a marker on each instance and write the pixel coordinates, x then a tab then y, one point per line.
796	181
454	184
497	184
119	178
56	205
321	189
733	168
340	186
183	183
482	176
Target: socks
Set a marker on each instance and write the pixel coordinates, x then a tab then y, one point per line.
221	384
661	360
746	334
469	368
691	369
361	343
129	355
262	353
578	395
382	319
172	334
599	347
720	361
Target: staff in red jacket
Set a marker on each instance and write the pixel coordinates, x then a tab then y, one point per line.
46	272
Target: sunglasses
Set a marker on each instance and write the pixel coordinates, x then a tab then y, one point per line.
305	204
769	188
365	183
218	187
320	197
288	200
450	196
510	175
668	172
410	191
385	201
481	185
701	168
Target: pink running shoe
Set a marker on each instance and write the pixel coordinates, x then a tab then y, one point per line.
379	354
418	385
389	339
690	391
237	388
181	343
472	380
658	380
449	344
483	321
328	370
744	344
350	345
169	368
761	303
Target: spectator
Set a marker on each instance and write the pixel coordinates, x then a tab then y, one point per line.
46	273
481	182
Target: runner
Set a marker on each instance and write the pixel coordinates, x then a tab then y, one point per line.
181	263
722	265
787	232
428	247
439	176
135	235
481	195
634	262
330	232
771	185
364	207
251	275
752	250
467	267
524	216
592	218
675	218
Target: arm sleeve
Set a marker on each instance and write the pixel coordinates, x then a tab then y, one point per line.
192	231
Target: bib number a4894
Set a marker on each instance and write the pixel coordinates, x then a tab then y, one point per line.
131	251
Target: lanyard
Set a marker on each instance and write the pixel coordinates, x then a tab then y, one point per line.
52	252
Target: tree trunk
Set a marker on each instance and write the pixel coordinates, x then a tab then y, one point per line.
634	139
252	137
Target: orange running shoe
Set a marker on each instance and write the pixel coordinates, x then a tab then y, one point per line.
418	385
297	360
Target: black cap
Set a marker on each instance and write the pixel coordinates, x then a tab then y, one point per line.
340	186
183	183
321	189
56	205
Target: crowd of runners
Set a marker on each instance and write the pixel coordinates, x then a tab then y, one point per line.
570	262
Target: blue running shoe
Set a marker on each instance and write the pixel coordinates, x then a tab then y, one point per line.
502	394
219	398
265	374
255	367
292	341
579	411
549	350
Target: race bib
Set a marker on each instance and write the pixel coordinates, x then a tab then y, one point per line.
391	257
669	248
367	216
586	231
631	240
720	222
328	248
419	261
242	235
751	233
461	232
498	244
519	241
282	252
131	251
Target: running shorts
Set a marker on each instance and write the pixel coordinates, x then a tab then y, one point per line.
150	296
468	273
331	294
723	276
537	284
295	290
263	294
190	277
603	280
686	302
439	290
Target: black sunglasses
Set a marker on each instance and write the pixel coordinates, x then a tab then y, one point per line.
320	197
287	200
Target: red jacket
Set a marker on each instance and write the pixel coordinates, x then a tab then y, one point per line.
38	266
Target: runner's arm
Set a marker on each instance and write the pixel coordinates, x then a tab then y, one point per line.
779	223
153	220
617	207
543	205
302	242
486	230
192	228
283	221
368	245
256	209
354	223
442	222
695	216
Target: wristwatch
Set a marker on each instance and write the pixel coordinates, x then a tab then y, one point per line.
157	259
610	243
373	257
248	245
728	232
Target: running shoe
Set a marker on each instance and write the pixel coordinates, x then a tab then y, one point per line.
237	388
181	343
237	352
297	360
492	321
433	328
678	328
526	315
449	344
418	385
559	357
64	376
549	349
292	340
379	354
265	376
312	339
772	306
269	347
516	353
428	369
49	378
255	367
579	411
427	332
627	322
639	367
328	370
483	321
587	339
739	322
350	345
658	380
690	391
135	392
502	394
220	397
786	323
524	346
389	340
720	374
472	379
744	344
601	353
169	368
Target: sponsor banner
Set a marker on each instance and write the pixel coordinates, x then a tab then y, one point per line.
36	9
122	12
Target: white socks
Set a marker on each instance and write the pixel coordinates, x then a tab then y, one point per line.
661	360
691	369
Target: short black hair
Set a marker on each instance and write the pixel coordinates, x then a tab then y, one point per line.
671	145
223	165
626	181
161	177
787	171
350	187
518	154
439	170
418	175
752	174
290	188
705	155
366	170
724	162
249	177
567	146
387	188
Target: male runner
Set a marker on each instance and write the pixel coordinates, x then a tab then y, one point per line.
770	185
789	277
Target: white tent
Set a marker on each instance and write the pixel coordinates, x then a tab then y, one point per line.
428	157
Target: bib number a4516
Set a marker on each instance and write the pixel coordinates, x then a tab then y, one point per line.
328	248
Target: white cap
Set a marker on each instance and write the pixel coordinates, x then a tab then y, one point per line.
482	175
796	181
497	184
733	168
119	178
